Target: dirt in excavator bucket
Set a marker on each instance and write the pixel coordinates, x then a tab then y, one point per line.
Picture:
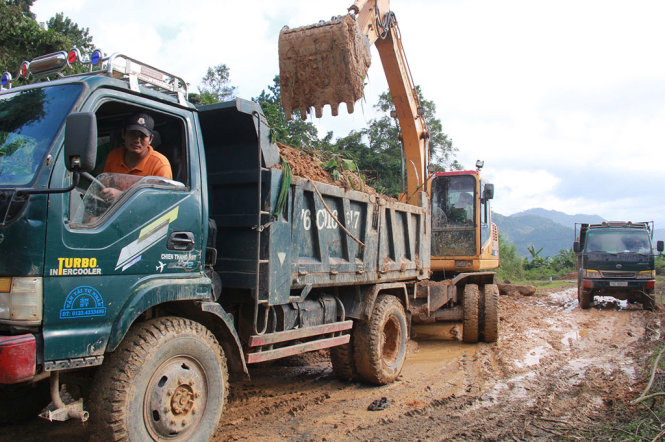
321	64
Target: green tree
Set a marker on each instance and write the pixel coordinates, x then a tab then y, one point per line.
23	5
384	152
512	267
294	133
24	39
385	149
215	86
564	262
660	264
79	37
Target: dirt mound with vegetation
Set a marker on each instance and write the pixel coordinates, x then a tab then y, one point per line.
309	165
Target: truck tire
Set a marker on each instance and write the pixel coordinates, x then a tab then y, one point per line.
19	402
584	297
491	313
166	381
470	324
343	363
379	345
649	300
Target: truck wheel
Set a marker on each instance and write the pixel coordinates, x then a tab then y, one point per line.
584	297
491	314
649	301
470	327
380	344
166	381
19	402
342	362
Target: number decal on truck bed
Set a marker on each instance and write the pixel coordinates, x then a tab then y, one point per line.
324	220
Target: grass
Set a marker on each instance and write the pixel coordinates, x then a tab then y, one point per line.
638	420
541	284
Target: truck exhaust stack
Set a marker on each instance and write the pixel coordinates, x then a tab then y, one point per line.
324	63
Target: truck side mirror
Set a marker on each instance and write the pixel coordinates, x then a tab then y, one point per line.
576	247
488	191
660	246
81	141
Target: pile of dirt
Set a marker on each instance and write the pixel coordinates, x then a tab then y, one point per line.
514	289
306	164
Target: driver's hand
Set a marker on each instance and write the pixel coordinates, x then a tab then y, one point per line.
110	194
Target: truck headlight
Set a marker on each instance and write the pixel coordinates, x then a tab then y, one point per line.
21	300
591	274
646	274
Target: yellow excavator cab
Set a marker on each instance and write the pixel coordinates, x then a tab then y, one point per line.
464	238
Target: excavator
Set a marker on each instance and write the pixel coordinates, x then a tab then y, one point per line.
326	64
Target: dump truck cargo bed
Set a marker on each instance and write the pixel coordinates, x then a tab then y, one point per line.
281	254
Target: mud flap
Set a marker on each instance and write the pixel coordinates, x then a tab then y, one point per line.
321	64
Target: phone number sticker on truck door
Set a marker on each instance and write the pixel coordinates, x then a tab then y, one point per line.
83	302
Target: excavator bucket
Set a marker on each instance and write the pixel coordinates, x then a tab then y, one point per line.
321	64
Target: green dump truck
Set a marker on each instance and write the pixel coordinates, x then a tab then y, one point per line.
616	259
158	296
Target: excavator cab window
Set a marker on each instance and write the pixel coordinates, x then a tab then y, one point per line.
453	215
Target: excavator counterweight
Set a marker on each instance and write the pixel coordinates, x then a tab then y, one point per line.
324	63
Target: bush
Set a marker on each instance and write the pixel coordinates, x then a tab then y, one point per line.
660	265
511	267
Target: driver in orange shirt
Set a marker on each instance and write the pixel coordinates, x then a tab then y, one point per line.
136	156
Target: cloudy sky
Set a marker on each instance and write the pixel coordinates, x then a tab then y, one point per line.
564	100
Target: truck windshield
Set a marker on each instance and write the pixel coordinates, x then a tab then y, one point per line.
618	241
29	122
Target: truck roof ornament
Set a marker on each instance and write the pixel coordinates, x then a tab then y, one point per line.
136	72
116	66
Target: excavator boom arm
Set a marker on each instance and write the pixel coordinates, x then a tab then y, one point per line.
326	63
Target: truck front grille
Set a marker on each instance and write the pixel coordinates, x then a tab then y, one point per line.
615	274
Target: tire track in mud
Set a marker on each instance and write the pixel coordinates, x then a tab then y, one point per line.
555	369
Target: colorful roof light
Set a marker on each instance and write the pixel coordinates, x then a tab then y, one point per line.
6	80
96	57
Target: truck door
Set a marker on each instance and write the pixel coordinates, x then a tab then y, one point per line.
107	262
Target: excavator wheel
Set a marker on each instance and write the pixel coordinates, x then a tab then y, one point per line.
490	317
470	327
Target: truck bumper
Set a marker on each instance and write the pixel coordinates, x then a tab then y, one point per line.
619	285
18	358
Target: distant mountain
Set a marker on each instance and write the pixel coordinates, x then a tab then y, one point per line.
562	218
549	229
532	230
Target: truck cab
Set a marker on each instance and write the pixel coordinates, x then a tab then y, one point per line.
616	259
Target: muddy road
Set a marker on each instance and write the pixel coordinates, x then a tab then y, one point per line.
555	371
